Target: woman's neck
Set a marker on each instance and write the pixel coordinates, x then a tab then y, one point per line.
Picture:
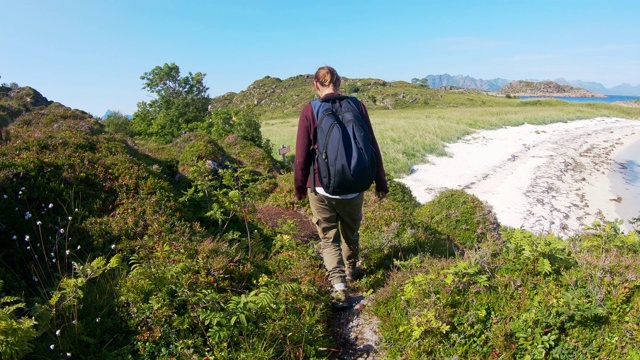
324	91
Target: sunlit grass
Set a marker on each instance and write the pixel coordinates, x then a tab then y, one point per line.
406	137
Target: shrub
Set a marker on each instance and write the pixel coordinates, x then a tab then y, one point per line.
117	122
387	232
352	88
16	332
531	298
462	217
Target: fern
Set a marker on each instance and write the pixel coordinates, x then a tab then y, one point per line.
16	333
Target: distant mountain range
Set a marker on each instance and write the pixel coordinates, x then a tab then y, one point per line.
467	82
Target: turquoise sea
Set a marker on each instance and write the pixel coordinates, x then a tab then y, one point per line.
607	99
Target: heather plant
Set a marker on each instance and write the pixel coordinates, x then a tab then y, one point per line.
388	233
461	217
65	289
530	297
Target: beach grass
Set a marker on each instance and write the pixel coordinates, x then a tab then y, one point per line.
407	136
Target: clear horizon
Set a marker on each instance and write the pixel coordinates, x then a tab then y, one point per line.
90	55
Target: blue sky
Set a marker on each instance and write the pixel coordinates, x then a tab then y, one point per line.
90	54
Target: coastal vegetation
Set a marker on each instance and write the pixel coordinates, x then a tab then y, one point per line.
139	243
406	136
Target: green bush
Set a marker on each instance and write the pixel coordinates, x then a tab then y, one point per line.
461	217
117	122
531	297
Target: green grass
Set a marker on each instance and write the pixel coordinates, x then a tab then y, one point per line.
158	257
407	136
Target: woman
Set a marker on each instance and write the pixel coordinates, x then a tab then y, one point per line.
337	217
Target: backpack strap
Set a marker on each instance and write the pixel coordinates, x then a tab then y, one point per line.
315	105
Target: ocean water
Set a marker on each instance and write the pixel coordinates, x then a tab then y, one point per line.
607	99
625	180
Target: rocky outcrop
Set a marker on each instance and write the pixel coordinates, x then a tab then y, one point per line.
27	96
544	89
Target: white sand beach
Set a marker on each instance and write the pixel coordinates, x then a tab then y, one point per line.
555	178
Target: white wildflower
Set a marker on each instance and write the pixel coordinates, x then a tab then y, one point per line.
26	238
97	319
27	216
58	332
67	252
28	247
14	237
38	222
52	346
50	206
4	196
68	355
113	246
61	231
69	218
78	247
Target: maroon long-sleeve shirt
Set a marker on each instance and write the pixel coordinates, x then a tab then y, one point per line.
306	142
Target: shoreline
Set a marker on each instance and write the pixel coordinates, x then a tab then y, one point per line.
555	178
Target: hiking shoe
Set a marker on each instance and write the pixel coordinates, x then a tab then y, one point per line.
353	273
340	299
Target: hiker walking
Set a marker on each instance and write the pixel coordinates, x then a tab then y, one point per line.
337	158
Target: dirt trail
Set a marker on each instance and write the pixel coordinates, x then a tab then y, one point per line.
354	331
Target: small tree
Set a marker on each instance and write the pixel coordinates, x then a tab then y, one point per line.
117	122
180	101
420	82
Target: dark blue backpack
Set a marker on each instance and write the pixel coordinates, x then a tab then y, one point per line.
345	155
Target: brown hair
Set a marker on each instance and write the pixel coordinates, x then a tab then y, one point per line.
327	76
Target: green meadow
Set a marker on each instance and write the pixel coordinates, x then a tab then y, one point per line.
406	136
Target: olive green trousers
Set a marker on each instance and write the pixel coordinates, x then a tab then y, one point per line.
338	222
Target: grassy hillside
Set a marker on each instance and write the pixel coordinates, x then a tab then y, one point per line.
116	247
275	98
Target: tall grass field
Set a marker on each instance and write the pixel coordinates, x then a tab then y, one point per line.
406	137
